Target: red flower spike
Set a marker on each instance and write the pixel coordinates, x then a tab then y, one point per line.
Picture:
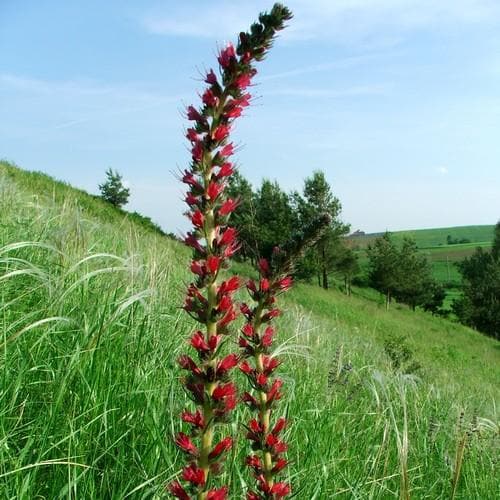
184	442
193	475
178	491
248	330
285	283
253	496
274	393
213	243
220	448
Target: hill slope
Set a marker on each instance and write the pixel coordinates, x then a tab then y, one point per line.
89	398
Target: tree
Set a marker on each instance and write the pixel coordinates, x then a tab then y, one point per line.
318	199
274	218
113	190
243	218
479	306
347	265
383	272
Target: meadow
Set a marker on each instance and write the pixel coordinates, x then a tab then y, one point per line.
91	328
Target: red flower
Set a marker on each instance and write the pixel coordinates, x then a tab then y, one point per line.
220	494
280	464
227	150
192	135
198	342
255	463
194	475
223	391
270	364
229	286
281	490
229	362
246	368
242	81
187	363
194	115
267	338
221	132
264	267
264	285
195	419
191	199
197	218
214	190
227	207
274	393
198	268
285	283
280	425
185	444
211	78
227	56
178	491
248	330
220	448
213	263
228	236
197	151
226	170
209	98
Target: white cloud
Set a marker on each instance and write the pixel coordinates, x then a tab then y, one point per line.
442	170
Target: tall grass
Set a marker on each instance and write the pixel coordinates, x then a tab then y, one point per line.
90	331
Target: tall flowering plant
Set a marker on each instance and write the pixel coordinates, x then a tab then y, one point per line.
259	366
209	301
264	430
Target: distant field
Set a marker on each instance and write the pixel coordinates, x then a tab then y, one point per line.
426	238
443	257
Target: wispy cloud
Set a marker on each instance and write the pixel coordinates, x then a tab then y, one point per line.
442	170
86	100
356	91
341	20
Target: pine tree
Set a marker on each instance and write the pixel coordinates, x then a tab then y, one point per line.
113	190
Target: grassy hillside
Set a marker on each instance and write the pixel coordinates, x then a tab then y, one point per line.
90	397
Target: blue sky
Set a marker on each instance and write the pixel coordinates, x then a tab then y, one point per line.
398	101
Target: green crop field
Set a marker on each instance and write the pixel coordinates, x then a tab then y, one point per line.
90	396
429	238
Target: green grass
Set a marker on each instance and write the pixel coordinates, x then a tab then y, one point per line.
426	238
90	396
